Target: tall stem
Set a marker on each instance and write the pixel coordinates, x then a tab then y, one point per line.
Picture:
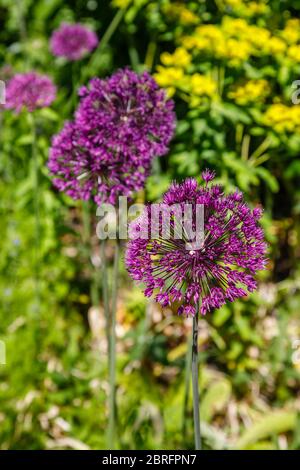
87	250
86	219
73	96
112	351
195	380
188	362
22	21
105	293
36	214
112	28
105	40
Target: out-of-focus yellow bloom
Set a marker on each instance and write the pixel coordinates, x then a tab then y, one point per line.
255	8
189	42
253	91
193	86
233	39
208	38
209	31
291	32
227	42
121	3
181	13
239	28
169	78
235	26
274	46
294	53
247	8
282	118
179	58
168	75
188	17
238	51
258	36
202	44
202	85
233	3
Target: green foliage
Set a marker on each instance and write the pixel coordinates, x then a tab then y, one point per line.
273	424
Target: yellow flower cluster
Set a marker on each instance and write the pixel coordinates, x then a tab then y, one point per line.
234	40
282	118
291	32
294	52
174	78
251	92
246	8
291	35
170	78
201	85
180	58
181	13
274	47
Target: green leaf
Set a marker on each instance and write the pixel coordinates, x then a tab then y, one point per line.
232	112
269	179
215	399
276	422
221	315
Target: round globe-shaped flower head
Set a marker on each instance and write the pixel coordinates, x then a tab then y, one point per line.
222	267
121	124
73	41
29	90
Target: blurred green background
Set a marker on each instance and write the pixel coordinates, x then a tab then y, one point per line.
229	65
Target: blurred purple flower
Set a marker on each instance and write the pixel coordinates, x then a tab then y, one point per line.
222	269
29	90
73	41
121	124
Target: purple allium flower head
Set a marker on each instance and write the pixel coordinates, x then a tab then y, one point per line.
120	125
29	90
222	269
73	41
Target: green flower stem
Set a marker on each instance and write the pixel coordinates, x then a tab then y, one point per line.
195	381
22	21
86	219
245	147
104	40
133	55
86	236
75	78
112	351
105	292
221	79
37	228
112	28
188	363
150	55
